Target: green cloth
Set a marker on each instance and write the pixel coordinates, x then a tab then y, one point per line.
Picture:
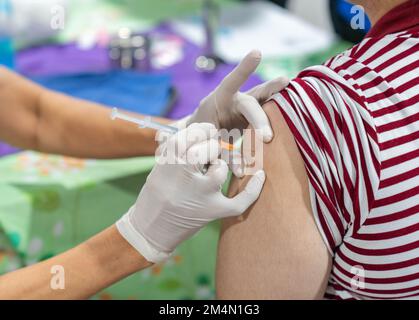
111	15
49	204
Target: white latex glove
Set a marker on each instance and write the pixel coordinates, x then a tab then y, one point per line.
227	108
178	199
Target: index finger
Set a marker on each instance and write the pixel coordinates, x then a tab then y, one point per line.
233	82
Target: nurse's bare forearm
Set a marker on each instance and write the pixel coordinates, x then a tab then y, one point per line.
35	118
78	128
82	271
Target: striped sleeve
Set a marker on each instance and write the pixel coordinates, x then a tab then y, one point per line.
336	138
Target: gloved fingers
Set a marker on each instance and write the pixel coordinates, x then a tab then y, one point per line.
236	163
178	144
217	172
240	203
250	108
265	90
162	137
202	154
233	82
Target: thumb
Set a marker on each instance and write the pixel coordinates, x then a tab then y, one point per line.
249	195
218	173
265	90
250	108
233	82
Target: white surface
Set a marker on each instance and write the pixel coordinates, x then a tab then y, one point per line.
32	19
315	12
258	25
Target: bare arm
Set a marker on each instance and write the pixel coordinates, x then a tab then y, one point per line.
274	251
88	268
35	118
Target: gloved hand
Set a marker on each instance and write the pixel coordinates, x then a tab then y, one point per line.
227	108
178	199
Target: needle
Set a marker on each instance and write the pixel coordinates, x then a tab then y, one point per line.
149	123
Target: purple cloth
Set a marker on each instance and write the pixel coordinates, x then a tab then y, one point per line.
61	60
6	149
191	85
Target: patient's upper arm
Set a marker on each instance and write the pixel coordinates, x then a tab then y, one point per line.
274	251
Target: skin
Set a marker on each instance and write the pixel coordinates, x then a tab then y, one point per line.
275	250
54	123
88	268
375	9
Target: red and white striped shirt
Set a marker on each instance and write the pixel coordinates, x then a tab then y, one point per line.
356	122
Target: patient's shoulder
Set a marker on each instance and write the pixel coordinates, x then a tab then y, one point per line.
278	233
336	138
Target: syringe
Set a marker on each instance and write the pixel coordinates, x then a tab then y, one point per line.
147	122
